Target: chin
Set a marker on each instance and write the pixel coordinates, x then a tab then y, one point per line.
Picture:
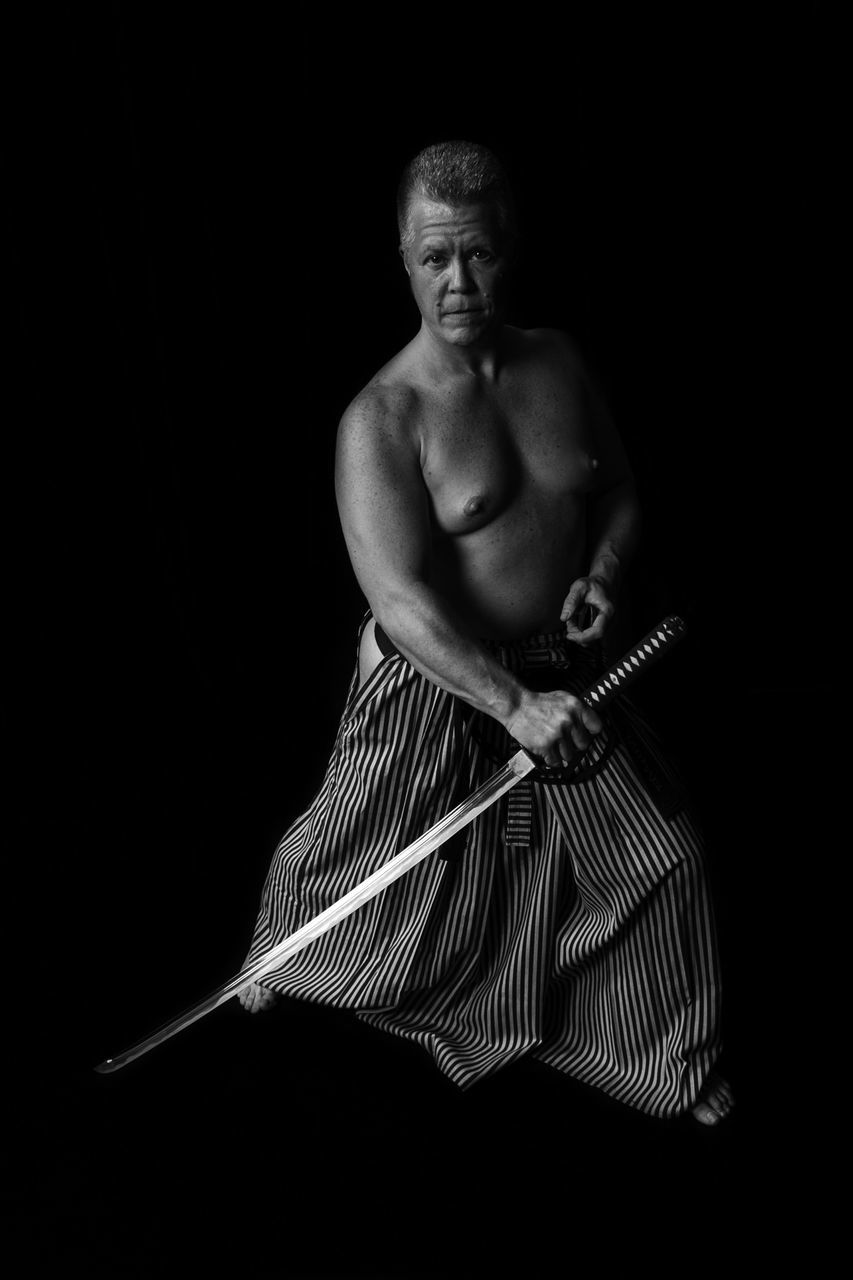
466	339
464	335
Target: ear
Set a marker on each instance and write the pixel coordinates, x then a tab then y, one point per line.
402	251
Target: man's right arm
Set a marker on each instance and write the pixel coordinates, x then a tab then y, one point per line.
384	513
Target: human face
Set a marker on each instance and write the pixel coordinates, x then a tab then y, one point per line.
456	267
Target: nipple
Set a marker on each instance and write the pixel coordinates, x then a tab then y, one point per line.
593	462
474	505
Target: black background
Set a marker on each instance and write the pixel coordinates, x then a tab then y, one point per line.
205	272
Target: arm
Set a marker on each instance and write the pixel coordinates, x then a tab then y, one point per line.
384	514
613	527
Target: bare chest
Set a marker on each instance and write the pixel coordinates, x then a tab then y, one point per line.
487	456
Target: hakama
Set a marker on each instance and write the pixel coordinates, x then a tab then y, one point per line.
571	922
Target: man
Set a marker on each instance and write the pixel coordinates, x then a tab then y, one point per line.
489	512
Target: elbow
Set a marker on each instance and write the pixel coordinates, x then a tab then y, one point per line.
629	499
394	605
621	496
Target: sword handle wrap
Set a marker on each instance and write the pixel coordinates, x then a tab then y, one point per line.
623	673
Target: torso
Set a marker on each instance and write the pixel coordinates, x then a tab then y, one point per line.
507	466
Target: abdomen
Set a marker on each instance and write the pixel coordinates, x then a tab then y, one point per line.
509	578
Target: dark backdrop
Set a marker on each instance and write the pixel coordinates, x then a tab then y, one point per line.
206	272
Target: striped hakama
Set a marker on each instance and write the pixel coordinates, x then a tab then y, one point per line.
571	921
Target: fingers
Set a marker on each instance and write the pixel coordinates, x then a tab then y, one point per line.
578	612
573	601
587	611
591	719
582	728
599	620
556	726
563	752
577	735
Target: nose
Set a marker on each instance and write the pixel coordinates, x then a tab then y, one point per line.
460	278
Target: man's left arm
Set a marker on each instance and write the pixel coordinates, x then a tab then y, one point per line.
613	530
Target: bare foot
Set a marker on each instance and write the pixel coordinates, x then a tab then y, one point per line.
715	1101
256	999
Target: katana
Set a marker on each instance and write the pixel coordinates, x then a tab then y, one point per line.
519	766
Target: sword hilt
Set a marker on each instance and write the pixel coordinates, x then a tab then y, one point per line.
616	680
644	654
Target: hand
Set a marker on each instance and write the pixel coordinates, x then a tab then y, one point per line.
587	610
555	725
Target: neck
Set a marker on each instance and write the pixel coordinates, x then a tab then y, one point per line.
481	359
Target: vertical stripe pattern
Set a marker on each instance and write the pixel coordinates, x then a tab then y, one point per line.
588	941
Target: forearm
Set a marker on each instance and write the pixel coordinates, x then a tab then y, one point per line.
614	532
422	626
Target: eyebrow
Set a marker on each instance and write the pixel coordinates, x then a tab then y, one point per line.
434	240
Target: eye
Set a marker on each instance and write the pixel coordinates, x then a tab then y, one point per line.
434	259
482	255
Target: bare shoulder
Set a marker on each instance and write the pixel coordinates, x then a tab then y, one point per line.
378	441
382	411
377	458
387	407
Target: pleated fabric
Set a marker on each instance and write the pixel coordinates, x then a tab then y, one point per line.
592	947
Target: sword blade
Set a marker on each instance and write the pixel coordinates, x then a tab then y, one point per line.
516	768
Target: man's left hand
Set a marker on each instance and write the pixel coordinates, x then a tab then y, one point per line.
587	610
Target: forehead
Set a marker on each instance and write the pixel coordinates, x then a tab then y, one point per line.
430	218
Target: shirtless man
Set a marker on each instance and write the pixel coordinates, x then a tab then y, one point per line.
484	493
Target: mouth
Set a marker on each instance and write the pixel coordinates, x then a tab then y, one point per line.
465	311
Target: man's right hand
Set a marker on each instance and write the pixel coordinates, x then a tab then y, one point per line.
555	725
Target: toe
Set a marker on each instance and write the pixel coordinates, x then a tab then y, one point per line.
721	1097
715	1102
256	999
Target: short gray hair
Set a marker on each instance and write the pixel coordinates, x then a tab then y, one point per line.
455	173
